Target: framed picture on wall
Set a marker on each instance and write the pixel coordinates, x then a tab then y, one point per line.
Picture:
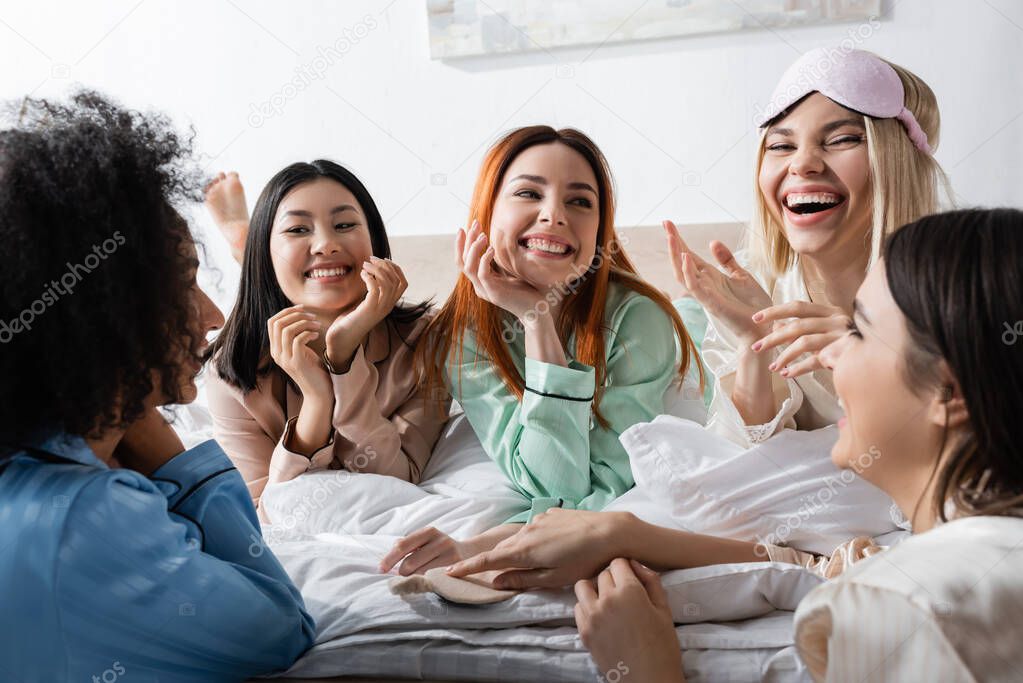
465	28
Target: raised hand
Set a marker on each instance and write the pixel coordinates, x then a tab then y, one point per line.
811	327
291	330
385	284
474	256
730	294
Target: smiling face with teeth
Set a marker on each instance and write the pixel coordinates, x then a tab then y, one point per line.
318	243
815	180
891	430
546	216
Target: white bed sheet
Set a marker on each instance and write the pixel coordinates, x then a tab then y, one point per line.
331	529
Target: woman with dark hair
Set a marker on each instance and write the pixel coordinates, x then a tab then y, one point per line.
314	368
931	378
120	551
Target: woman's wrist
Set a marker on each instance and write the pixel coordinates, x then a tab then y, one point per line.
489	539
148	444
341	346
753	390
313	426
542	341
623	535
751	335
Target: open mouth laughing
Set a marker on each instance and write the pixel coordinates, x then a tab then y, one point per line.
547	246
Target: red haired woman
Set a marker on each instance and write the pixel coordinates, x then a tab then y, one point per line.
551	342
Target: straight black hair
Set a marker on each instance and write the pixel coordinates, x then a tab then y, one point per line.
241	352
957	278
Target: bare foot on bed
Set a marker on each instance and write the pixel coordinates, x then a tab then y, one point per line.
225	200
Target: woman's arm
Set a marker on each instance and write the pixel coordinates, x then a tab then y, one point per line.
549	445
753	391
396	443
542	341
259	456
541	442
742	382
197	588
560	547
665	549
731	296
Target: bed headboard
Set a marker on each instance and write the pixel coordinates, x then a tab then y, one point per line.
429	266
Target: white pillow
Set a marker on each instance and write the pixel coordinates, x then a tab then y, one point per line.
785	491
685	399
462	493
728	592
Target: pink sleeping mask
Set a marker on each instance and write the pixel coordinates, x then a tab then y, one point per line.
854	79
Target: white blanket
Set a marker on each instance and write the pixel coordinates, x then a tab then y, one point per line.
330	530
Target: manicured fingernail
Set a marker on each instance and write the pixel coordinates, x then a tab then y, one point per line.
757	346
785	372
758	316
772	367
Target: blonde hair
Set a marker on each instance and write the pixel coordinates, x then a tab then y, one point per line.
906	183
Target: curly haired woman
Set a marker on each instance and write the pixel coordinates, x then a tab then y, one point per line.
120	551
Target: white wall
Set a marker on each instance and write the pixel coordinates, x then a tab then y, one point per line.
673	116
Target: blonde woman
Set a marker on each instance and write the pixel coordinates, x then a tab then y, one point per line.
845	158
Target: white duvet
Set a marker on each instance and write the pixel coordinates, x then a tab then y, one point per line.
330	530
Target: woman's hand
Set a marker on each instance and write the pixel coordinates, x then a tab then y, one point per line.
732	295
556	548
422	550
474	256
148	443
813	327
385	284
291	330
625	623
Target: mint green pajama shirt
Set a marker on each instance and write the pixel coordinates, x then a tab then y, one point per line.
549	444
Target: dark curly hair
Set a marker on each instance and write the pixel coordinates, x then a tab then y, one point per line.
96	295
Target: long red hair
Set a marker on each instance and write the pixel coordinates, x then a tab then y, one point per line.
583	312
